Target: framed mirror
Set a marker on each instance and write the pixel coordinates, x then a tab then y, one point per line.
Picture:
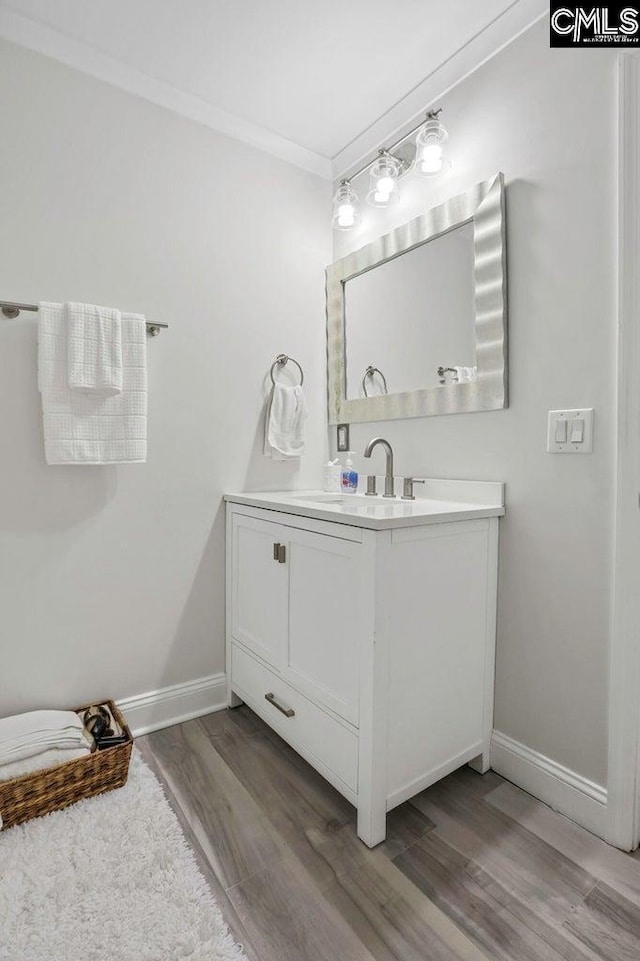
417	319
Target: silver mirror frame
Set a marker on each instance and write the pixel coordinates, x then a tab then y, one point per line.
483	204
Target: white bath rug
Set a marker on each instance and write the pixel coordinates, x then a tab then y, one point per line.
109	879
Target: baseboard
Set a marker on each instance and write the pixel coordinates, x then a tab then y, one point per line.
171	705
564	790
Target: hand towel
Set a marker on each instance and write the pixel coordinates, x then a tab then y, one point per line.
92	428
94	348
467	375
284	424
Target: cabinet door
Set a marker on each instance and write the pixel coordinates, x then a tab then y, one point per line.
259	588
325	601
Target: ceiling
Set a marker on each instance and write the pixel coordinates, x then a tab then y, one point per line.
316	74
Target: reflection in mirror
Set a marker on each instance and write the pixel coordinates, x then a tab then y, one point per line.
411	315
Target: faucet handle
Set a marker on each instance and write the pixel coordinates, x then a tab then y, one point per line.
371	485
407	488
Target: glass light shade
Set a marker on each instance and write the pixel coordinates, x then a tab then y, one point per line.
346	211
430	157
384	182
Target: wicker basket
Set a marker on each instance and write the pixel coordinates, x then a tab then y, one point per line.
41	792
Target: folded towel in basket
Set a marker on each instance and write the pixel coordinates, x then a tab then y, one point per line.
40	762
26	735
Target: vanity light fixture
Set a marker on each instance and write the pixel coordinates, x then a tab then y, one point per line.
345	207
384	180
425	155
430	159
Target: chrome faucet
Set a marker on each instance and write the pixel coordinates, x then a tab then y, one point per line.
389	486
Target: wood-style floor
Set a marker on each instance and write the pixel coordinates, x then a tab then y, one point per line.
473	868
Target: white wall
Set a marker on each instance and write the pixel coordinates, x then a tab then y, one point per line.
546	118
111	578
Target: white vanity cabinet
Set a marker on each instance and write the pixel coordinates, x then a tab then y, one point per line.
367	642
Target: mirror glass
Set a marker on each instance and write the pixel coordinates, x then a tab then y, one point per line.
410	321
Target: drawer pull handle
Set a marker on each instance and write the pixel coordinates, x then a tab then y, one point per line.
287	711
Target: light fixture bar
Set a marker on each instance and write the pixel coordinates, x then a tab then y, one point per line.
431	115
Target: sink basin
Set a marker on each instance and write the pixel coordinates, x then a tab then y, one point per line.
320	498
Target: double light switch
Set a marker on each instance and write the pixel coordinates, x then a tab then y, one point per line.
570	431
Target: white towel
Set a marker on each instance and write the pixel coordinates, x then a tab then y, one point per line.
41	761
467	375
37	743
92	428
94	348
21	725
284	424
35	732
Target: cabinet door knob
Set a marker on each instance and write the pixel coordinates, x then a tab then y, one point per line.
287	711
276	552
282	554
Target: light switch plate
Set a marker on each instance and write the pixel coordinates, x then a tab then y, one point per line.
342	437
585	416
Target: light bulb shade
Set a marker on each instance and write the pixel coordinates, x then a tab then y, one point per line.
383	191
430	159
346	212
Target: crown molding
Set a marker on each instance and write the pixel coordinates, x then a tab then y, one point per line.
396	121
82	57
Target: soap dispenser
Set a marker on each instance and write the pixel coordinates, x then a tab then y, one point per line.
349	476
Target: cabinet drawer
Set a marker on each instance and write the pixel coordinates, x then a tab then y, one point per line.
325	742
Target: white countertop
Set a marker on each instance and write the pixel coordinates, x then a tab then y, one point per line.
437	502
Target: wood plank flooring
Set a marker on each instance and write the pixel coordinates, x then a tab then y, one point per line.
472	868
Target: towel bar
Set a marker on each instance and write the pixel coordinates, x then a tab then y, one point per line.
12	310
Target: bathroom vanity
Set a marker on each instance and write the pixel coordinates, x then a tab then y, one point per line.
362	630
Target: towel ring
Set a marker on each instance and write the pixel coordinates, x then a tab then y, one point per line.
369	372
280	361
